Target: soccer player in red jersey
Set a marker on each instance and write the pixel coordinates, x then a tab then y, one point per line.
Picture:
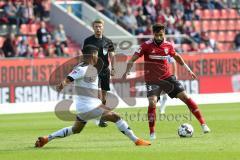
158	77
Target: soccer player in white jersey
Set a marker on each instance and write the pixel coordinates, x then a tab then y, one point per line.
88	106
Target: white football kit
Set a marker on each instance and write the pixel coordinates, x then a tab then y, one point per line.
86	80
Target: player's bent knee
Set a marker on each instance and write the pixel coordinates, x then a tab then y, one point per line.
76	130
152	101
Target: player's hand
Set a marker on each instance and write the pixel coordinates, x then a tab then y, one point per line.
113	72
59	87
193	75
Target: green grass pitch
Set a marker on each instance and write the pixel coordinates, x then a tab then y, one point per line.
18	133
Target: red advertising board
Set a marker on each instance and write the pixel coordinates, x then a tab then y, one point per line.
23	80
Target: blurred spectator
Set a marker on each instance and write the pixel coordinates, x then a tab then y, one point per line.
10	12
149	10
42	8
207	48
1	53
9	46
43	35
206	4
207	40
59	47
148	30
161	17
191	32
176	5
136	3
237	42
59	33
27	13
169	17
24	49
130	21
141	20
38	53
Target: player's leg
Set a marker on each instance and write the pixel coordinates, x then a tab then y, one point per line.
178	91
105	87
153	92
163	101
152	101
62	133
193	107
123	127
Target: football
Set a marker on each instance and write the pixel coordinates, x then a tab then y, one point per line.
185	130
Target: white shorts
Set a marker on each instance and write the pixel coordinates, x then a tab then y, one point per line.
93	114
85	104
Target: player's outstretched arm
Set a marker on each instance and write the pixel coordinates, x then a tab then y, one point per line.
180	60
64	83
129	66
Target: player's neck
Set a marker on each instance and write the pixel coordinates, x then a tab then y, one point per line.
98	36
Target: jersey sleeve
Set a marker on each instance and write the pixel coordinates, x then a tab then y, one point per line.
140	51
76	73
172	51
110	46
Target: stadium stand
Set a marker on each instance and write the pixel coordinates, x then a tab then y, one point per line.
219	19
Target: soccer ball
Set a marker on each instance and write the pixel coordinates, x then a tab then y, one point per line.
185	130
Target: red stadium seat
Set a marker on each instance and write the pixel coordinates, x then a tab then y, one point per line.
24	29
238	25
221	36
233	14
186	47
221	47
214	25
213	35
222	25
231	25
207	14
202	46
188	23
224	14
230	36
206	25
216	14
33	29
197	25
1	41
199	12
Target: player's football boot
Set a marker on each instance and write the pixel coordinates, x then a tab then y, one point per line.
152	136
41	141
205	128
141	142
101	123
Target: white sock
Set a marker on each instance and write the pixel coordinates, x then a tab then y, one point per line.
61	133
125	129
163	103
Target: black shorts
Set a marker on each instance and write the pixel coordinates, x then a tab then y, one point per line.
104	79
170	85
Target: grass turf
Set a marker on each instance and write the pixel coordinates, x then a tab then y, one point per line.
19	131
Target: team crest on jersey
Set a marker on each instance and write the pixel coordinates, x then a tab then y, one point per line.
105	51
166	50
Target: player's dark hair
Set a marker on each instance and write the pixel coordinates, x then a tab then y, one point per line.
158	27
89	49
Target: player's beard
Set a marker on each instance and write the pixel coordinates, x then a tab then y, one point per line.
158	41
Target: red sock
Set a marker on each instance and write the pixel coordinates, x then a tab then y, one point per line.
151	118
195	110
